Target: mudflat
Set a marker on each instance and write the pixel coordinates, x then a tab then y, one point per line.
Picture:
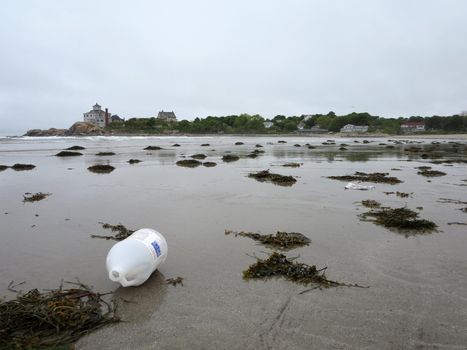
417	280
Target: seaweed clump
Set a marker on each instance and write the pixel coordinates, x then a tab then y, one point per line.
230	158
277	265
174	281
239	143
68	154
281	240
75	148
101	168
122	232
52	318
277	179
198	156
430	172
29	197
153	148
368	177
399	218
209	164
370	203
189	163
292	165
134	161
21	167
105	154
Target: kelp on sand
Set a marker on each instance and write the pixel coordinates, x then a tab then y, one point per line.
277	179
281	240
122	232
368	177
400	219
30	197
278	265
52	318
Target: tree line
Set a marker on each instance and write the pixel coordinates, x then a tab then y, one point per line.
255	124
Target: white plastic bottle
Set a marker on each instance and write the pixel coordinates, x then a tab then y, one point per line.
131	261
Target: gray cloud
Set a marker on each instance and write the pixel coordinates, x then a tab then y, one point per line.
199	58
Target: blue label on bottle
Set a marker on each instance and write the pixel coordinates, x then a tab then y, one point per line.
156	248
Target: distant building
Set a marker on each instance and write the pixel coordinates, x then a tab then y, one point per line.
268	124
409	127
116	118
315	129
167	116
97	116
354	128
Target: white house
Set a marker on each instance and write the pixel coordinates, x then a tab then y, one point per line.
97	116
354	128
412	127
268	124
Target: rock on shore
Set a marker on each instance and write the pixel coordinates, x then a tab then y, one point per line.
77	129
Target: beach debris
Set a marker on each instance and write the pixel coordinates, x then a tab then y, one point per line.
30	197
175	145
281	240
368	177
230	158
198	156
68	154
53	318
134	161
101	168
75	148
457	223
105	154
209	164
205	145
292	165
122	232
358	187
399	218
370	203
278	265
450	201
175	281
399	194
238	143
22	167
277	179
189	163
153	148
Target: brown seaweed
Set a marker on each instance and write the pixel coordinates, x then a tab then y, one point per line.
370	203
431	173
22	167
368	177
52	318
292	165
277	179
175	281
189	163
278	265
122	232
399	219
198	156
153	148
230	158
30	197
101	168
281	240
68	154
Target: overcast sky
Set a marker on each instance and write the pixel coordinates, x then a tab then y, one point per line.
387	57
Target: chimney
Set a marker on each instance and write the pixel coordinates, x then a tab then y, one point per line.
106	117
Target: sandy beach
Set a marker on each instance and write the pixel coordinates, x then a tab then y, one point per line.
417	283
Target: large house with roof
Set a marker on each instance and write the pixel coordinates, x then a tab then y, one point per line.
408	127
97	116
354	128
167	116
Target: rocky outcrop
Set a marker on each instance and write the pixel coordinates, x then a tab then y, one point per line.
48	132
77	129
84	128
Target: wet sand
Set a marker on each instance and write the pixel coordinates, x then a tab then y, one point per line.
418	285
